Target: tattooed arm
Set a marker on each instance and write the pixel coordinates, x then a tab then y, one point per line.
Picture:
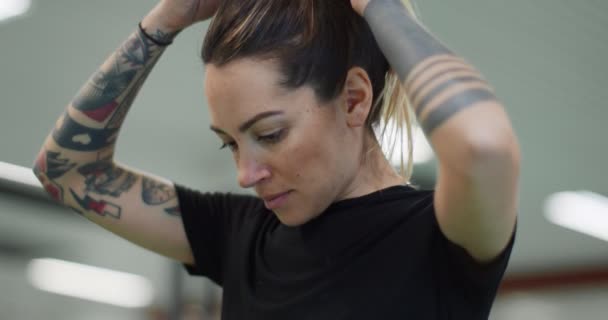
76	163
478	153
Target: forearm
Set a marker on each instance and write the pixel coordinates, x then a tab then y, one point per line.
87	131
455	106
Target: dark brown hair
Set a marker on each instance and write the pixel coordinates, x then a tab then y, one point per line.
315	43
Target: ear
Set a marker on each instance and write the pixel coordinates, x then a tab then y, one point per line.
358	94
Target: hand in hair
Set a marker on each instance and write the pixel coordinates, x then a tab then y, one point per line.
180	14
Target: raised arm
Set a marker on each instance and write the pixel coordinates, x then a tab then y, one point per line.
477	150
76	163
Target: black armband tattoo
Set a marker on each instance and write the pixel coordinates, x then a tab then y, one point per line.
403	41
438	83
456	103
442	86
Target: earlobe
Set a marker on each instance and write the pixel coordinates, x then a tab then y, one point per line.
358	97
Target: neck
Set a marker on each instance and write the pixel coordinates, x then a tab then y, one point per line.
375	173
377	170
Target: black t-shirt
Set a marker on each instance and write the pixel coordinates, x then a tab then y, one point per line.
379	256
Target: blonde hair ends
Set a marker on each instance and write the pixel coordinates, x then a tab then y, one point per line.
397	117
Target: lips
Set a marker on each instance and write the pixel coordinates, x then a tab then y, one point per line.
273	196
276	200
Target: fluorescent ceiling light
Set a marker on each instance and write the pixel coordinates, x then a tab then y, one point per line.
422	150
18	174
582	211
13	8
90	283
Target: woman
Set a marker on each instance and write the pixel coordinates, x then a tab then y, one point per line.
295	90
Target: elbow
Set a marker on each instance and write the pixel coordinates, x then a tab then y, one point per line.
38	167
495	154
491	138
49	186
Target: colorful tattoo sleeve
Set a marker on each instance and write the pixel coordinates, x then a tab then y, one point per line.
105	99
49	167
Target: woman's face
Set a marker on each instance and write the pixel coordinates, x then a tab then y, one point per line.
298	155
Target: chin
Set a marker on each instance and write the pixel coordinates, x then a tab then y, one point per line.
292	219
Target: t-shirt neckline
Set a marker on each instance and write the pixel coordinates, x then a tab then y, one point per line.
369	198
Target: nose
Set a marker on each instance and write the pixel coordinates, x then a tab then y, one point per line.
251	172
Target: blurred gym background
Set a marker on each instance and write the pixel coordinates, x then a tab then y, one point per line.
545	58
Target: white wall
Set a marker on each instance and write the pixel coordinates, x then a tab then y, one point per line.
570	303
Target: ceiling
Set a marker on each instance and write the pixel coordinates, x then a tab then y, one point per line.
545	58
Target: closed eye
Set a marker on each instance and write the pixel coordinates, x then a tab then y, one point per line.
273	137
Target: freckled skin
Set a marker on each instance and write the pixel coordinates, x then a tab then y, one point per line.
318	157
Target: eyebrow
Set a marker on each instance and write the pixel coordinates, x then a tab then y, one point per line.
249	123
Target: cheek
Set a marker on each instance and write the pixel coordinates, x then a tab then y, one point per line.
310	163
310	159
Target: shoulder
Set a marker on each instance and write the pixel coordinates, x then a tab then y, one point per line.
219	204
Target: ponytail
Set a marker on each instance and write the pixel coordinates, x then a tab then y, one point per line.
397	118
